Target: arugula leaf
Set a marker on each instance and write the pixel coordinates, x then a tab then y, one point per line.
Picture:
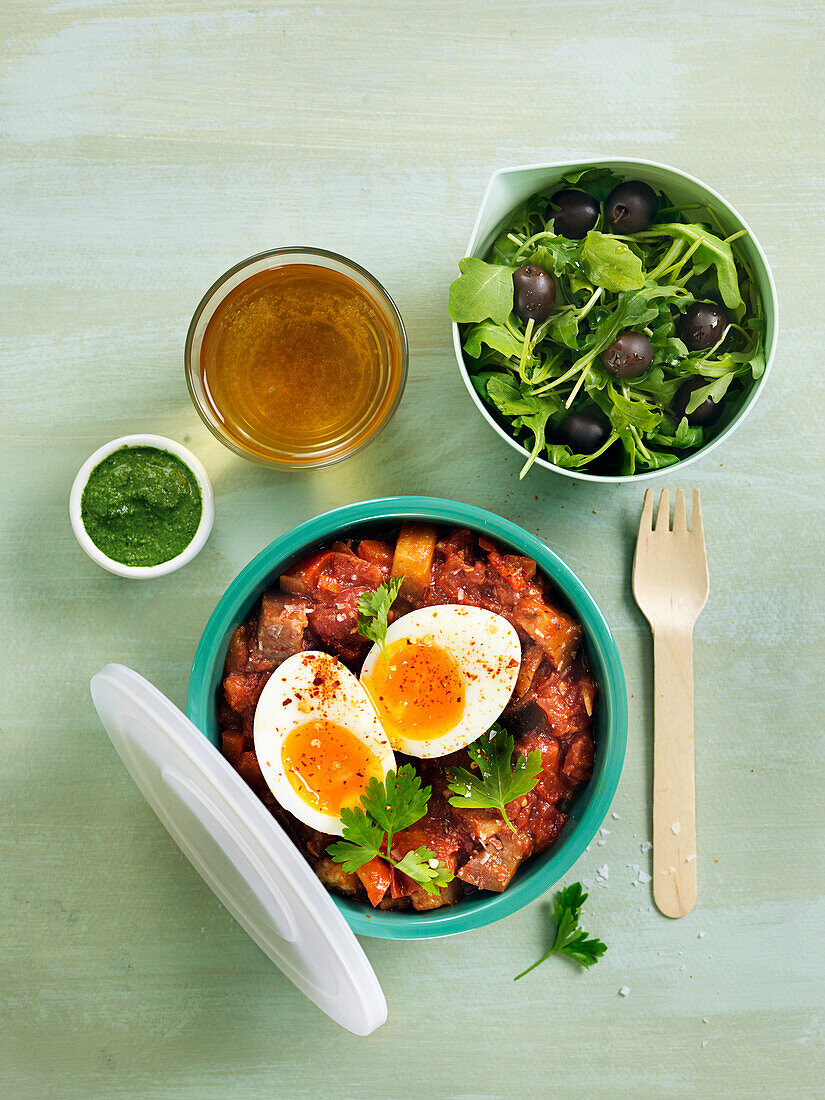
681	436
570	939
598	182
711	251
564	327
498	781
531	412
483	292
495	336
630	411
386	808
661	389
373	608
555	254
504	249
714	390
609	263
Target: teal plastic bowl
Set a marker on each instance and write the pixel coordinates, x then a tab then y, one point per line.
591	804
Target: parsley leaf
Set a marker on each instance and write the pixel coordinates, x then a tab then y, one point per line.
373	608
570	939
498	781
387	808
422	866
398	802
363	840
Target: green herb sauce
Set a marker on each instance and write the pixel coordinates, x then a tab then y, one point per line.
141	506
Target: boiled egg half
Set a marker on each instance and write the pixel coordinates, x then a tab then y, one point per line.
318	739
448	674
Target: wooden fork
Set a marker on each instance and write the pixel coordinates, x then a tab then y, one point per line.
670	583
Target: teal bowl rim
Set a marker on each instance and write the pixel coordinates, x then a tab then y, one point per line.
594	800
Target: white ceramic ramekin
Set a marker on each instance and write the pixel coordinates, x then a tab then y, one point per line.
143	572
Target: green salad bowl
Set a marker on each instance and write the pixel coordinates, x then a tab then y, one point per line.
509	187
591	803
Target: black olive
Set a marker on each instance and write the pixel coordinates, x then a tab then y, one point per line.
583	433
630	354
534	293
702	326
631	206
573	213
706	414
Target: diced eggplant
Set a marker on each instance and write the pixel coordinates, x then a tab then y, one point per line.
237	653
281	625
447	895
243	689
531	658
232	745
555	632
493	867
334	876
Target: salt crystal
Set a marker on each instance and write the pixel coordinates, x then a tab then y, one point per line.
615	816
701	936
704	1042
676	828
644	877
704	1019
688	859
646	846
623	992
603	872
604	832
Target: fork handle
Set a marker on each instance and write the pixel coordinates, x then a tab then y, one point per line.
674	791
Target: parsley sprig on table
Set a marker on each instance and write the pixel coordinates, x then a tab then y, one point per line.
498	781
387	808
571	940
373	608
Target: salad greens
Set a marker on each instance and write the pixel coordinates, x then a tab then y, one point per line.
534	374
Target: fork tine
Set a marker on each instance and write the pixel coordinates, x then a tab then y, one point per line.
663	515
696	518
646	522
679	518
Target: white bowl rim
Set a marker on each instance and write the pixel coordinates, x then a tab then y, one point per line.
750	400
143	572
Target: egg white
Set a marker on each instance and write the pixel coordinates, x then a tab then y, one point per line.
488	651
290	699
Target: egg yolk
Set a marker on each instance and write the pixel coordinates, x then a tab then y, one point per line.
327	766
418	691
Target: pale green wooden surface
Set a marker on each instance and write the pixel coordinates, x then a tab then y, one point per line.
145	148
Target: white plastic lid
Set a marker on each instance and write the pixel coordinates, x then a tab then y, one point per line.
239	849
